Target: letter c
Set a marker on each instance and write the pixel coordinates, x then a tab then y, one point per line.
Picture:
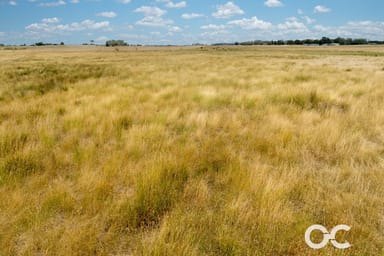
333	237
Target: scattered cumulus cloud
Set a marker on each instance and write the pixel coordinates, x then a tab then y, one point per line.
291	23
170	4
181	4
189	16
51	20
152	17
151	11
223	36
227	11
54	27
153	21
321	9
273	3
356	29
252	23
308	20
107	14
53	4
213	27
174	29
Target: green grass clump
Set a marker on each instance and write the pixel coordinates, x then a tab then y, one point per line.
21	166
12	143
155	195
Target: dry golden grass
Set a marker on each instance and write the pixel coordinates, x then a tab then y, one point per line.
190	151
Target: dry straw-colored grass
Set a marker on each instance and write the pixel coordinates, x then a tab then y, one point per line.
190	151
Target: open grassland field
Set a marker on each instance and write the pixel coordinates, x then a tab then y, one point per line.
190	151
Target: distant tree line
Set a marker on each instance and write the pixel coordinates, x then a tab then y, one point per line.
322	41
115	43
119	43
45	44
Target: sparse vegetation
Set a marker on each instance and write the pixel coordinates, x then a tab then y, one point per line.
180	151
115	43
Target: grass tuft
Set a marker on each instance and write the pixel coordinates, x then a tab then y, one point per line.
21	166
12	143
155	195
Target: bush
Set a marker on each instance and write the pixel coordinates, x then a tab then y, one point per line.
115	43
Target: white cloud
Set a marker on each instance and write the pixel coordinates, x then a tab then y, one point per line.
107	14
2	34
309	20
357	29
151	11
321	9
252	23
174	29
124	1
152	21
273	3
291	23
52	4
226	11
214	34
181	4
213	27
360	29
222	36
12	3
300	12
152	17
170	4
75	1
51	20
48	27
320	28
189	16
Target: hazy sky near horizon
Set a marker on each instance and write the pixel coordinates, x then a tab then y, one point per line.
186	22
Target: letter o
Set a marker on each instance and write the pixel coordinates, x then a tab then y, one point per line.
308	236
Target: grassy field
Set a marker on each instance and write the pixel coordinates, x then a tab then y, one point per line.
190	151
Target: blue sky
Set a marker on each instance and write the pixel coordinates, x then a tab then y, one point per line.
187	21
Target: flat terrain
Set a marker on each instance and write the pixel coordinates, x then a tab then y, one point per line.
190	151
